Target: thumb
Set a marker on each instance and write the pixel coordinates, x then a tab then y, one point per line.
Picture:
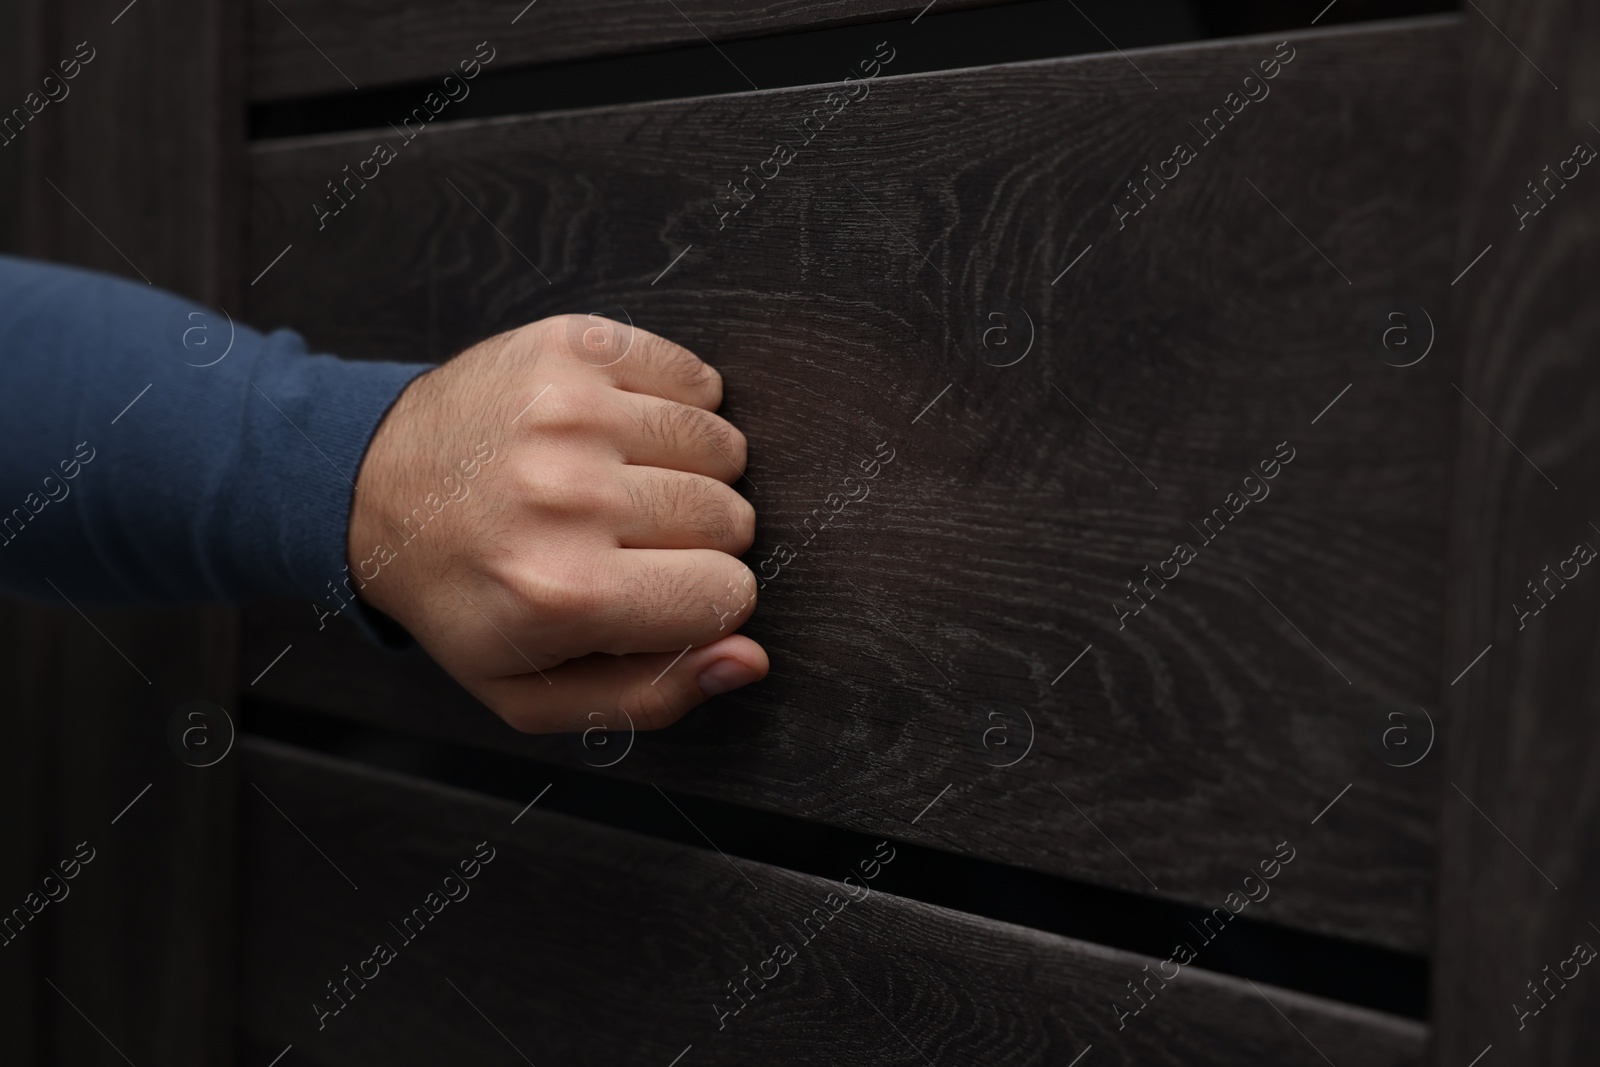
642	691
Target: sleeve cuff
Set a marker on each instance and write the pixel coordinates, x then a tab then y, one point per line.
324	412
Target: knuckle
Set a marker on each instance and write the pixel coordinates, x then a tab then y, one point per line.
738	447
654	495
743	517
706	378
714	524
676	364
539	335
665	590
671	423
737	601
553	328
712	433
745	582
564	488
661	600
594	339
716	515
655	423
718	519
697	432
565	407
560	594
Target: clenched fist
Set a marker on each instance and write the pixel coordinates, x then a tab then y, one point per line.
550	515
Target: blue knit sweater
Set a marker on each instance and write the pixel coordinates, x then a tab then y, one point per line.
152	451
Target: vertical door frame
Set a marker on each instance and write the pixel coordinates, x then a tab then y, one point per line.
1518	878
137	171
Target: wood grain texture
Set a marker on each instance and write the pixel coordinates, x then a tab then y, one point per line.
582	944
141	944
1520	872
154	196
301	47
847	306
140	154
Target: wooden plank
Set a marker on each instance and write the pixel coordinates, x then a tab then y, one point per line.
138	940
847	307
133	958
155	199
1519	808
300	47
579	943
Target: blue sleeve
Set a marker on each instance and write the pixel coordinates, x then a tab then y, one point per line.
154	451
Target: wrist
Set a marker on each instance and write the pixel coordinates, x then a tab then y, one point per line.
373	542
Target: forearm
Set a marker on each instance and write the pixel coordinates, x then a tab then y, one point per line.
155	452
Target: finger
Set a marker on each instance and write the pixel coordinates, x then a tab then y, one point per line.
671	509
641	362
644	600
622	693
661	433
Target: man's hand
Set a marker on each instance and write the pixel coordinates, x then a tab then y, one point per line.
549	514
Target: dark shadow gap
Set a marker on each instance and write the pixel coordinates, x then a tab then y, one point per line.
1317	964
1011	33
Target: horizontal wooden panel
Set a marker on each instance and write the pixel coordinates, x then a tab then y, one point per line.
298	47
580	944
847	306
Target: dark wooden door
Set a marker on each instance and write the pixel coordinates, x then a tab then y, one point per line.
134	171
952	296
1519	874
1138	711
